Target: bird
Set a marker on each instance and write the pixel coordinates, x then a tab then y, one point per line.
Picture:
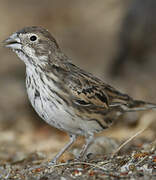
63	94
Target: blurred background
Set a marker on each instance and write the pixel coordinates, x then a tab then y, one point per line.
113	39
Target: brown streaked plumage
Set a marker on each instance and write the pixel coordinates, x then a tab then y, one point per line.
64	95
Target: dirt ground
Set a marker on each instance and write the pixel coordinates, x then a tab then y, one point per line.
88	32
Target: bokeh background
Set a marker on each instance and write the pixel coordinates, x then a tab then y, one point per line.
113	39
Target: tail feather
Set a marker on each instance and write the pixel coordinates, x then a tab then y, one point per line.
136	105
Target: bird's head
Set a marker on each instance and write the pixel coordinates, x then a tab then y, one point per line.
32	44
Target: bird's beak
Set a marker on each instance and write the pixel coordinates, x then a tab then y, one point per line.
12	42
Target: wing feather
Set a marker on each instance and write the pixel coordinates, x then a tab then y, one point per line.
85	89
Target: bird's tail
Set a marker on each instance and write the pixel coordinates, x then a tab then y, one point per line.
137	105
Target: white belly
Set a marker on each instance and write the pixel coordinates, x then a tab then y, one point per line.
55	114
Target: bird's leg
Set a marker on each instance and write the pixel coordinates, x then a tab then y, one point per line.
72	140
89	140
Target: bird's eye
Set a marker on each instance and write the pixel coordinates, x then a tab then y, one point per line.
33	38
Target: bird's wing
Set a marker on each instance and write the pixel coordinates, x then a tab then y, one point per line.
87	90
93	100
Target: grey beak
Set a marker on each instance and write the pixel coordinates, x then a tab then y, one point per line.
12	42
